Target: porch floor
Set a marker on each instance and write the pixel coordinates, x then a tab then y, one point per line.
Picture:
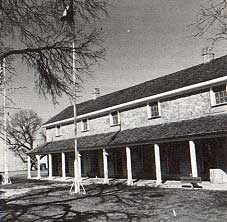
206	185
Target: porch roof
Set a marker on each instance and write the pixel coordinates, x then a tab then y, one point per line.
203	126
98	141
186	129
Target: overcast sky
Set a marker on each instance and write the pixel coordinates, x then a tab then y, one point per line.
145	39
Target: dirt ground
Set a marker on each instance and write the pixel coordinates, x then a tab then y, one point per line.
48	201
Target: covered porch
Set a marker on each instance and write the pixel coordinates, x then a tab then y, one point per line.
195	148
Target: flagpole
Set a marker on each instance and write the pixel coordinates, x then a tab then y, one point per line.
6	179
68	17
76	162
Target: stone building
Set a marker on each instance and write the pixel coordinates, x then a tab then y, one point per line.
162	129
14	162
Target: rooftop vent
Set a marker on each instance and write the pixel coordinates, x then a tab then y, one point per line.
207	55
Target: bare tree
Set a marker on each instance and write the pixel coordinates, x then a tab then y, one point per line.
22	129
43	39
211	22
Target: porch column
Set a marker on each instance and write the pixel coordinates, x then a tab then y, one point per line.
157	164
29	167
50	165
63	164
193	159
129	166
38	166
79	161
105	166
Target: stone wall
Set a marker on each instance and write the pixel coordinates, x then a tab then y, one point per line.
92	163
69	161
219	173
173	109
67	132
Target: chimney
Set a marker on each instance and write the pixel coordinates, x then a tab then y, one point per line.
96	93
207	55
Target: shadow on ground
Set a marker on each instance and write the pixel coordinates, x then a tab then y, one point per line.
114	203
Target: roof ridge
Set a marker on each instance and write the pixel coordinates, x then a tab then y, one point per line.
155	79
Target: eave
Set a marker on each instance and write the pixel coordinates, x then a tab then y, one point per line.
144	100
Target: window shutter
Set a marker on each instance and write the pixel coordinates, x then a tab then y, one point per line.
82	125
119	117
148	111
111	119
212	97
159	108
88	124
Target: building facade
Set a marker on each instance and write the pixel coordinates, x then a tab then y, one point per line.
162	129
14	162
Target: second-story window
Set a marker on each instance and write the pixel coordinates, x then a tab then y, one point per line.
153	110
114	118
220	94
58	130
84	125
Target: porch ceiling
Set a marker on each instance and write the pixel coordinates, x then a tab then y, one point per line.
203	126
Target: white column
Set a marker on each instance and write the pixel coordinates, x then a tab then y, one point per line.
157	164
105	166
129	166
29	167
38	166
193	159
63	164
79	162
50	165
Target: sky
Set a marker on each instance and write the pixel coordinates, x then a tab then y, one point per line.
145	39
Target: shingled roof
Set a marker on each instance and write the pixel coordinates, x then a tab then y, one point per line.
203	126
197	74
97	141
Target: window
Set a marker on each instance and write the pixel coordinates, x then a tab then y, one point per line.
84	125
153	110
220	94
58	130
114	118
